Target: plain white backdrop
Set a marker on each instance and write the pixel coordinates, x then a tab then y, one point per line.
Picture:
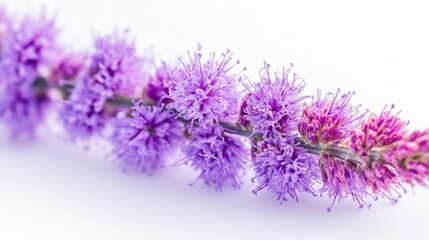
51	189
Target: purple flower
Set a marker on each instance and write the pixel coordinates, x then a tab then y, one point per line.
218	157
67	69
27	53
377	131
159	83
342	179
282	166
205	92
412	158
141	142
115	69
275	105
329	120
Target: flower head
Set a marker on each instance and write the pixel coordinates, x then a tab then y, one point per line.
330	119
378	131
5	25
67	69
342	179
218	157
282	166
274	105
204	91
114	70
412	157
141	142
26	55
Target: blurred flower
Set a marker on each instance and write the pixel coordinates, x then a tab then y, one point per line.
412	156
5	25
115	69
274	105
282	166
220	158
27	51
141	142
342	179
205	92
159	83
329	120
67	69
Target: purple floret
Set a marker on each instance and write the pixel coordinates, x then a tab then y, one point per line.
218	157
282	166
142	141
274	106
26	54
205	92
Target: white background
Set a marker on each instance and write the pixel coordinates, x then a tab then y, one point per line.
51	189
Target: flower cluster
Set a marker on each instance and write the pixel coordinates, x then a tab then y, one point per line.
205	92
27	52
114	70
217	156
151	111
143	140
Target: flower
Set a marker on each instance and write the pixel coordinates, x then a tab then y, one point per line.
141	142
218	156
159	83
377	131
5	25
67	69
114	71
205	92
329	120
342	179
412	156
371	142
27	52
282	166
275	105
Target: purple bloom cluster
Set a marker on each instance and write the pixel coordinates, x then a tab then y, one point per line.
26	54
143	140
284	167
205	92
114	70
197	106
217	156
330	119
274	106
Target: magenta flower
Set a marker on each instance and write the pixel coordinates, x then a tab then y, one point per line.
218	157
115	69
330	119
141	142
26	55
370	141
342	179
282	166
205	92
377	131
67	69
275	104
412	157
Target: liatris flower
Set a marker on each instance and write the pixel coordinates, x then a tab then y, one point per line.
378	131
218	157
274	105
282	166
159	83
329	120
67	69
370	141
141	142
412	156
205	92
342	179
114	70
26	54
